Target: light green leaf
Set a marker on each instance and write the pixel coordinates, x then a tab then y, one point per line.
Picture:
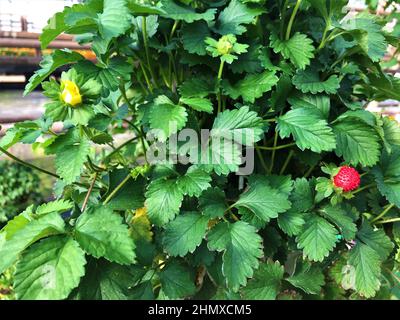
391	130
240	125
232	18
200	86
177	281
252	87
314	102
242	247
163	200
357	142
309	81
376	240
115	19
28	232
309	278
212	203
185	233
265	283
291	222
49	64
60	205
101	233
367	269
198	104
194	182
317	239
309	130
302	197
298	49
344	222
50	269
264	207
179	11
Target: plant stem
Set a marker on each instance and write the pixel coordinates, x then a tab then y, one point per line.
120	147
364	188
388	221
28	164
173	29
273	152
275	147
270	120
324	36
264	165
85	202
309	171
146	48
221	69
289	157
115	191
386	210
290	25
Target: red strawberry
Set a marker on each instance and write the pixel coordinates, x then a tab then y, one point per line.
347	178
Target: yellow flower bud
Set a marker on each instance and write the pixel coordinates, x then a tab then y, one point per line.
224	45
70	93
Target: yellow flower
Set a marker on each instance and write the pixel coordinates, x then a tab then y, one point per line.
225	45
71	94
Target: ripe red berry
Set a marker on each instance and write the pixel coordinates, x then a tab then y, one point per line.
347	178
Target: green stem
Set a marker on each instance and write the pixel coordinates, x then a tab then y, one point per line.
85	202
263	164
28	164
173	29
120	147
324	36
146	48
220	71
309	171
289	157
273	152
364	188
275	147
115	191
290	25
388	221
270	120
387	209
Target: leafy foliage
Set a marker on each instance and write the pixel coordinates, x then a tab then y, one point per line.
187	83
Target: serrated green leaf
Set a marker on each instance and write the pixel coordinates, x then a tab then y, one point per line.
177	280
198	104
265	283
317	238
302	197
193	36
101	233
60	205
180	11
27	233
356	142
391	130
298	49
308	130
194	182
50	269
232	18
185	233
200	87
249	62
314	102
367	269
115	19
212	203
309	278
252	87
263	207
376	240
309	81
291	222
163	201
242	248
344	222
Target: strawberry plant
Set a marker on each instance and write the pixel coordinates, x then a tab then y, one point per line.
248	168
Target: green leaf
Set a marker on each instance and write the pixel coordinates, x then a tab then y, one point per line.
193	36
387	176
101	233
232	18
376	240
185	233
319	103
242	247
200	87
252	87
298	49
302	197
60	206
265	283
50	269
163	201
291	222
240	125
344	222
194	182
309	81
115	19
49	64
249	61
309	278
177	281
198	104
391	130
166	118
177	11
27	233
308	130
212	203
264	208
138	8
366	264
357	142
317	239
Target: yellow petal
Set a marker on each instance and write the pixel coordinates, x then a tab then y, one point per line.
70	93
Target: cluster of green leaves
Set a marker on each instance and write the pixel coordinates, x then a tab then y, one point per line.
288	78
